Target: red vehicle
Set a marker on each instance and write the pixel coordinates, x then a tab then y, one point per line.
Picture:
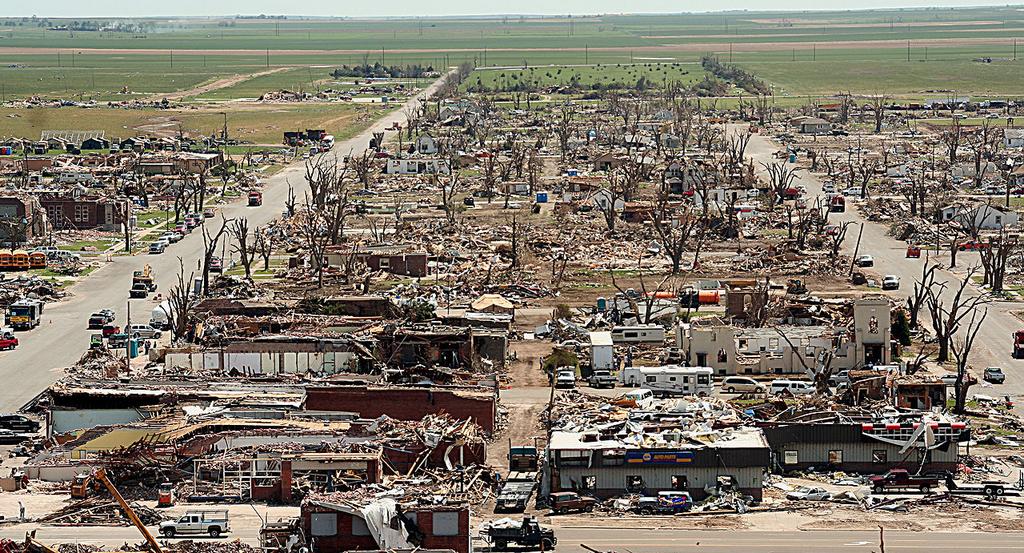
1018	344
255	198
837	203
8	341
900	479
109	330
913	252
972	245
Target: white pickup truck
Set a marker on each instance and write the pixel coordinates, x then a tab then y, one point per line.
212	522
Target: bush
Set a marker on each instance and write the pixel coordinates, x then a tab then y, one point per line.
560	358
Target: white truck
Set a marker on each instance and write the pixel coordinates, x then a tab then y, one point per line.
212	522
160	317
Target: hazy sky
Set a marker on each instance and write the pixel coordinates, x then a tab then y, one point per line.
112	8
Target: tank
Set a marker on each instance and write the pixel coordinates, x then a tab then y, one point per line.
708	297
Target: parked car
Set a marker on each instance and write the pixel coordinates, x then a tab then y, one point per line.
741	384
157	247
565	379
668	502
208	213
602	379
891	282
865	261
563	502
795	387
181	228
110	329
145	332
171	236
949	379
8	340
101	318
18	423
994	375
807	493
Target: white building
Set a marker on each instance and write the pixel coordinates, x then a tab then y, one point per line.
417	166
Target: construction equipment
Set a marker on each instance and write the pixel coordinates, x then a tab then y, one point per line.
796	286
83	485
165	495
101	475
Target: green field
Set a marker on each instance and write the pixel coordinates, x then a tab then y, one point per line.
800	53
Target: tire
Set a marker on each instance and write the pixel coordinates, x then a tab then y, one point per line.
547	544
731	390
214	532
646	511
925	488
168	532
500	545
878	489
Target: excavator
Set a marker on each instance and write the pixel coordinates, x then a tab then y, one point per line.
82	484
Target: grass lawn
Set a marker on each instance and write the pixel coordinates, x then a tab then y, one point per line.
616	76
100	245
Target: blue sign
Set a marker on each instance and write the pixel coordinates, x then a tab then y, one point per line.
658	457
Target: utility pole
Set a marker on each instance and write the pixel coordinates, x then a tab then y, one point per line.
128	341
172	59
586	54
268	57
908	50
814	52
730	52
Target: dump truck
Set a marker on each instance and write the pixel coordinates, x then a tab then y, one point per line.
142	283
900	479
527	534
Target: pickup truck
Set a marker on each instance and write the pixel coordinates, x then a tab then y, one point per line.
214	523
900	479
602	379
563	502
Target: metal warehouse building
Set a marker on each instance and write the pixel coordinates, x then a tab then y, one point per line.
609	466
866	447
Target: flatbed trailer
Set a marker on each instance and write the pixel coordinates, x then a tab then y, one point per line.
515	494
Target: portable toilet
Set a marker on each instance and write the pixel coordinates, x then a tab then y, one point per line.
133	348
572	172
602	304
542	197
792	157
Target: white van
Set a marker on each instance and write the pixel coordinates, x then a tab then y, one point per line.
795	387
741	385
670	380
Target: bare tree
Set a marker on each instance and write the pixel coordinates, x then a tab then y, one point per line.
263	243
363	165
182	302
878	110
835	240
649	297
565	127
610	196
921	287
948	317
314	231
210	242
245	248
289	202
951	138
994	255
123	209
961	349
678	229
451	187
780	179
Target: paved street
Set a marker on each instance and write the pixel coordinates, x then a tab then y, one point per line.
994	343
62	337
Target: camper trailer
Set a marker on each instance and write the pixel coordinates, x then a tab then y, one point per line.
636	334
670	380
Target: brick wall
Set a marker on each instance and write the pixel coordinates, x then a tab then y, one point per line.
411	404
345	541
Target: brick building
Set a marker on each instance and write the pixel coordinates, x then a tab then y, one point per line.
409	404
86	212
385	525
